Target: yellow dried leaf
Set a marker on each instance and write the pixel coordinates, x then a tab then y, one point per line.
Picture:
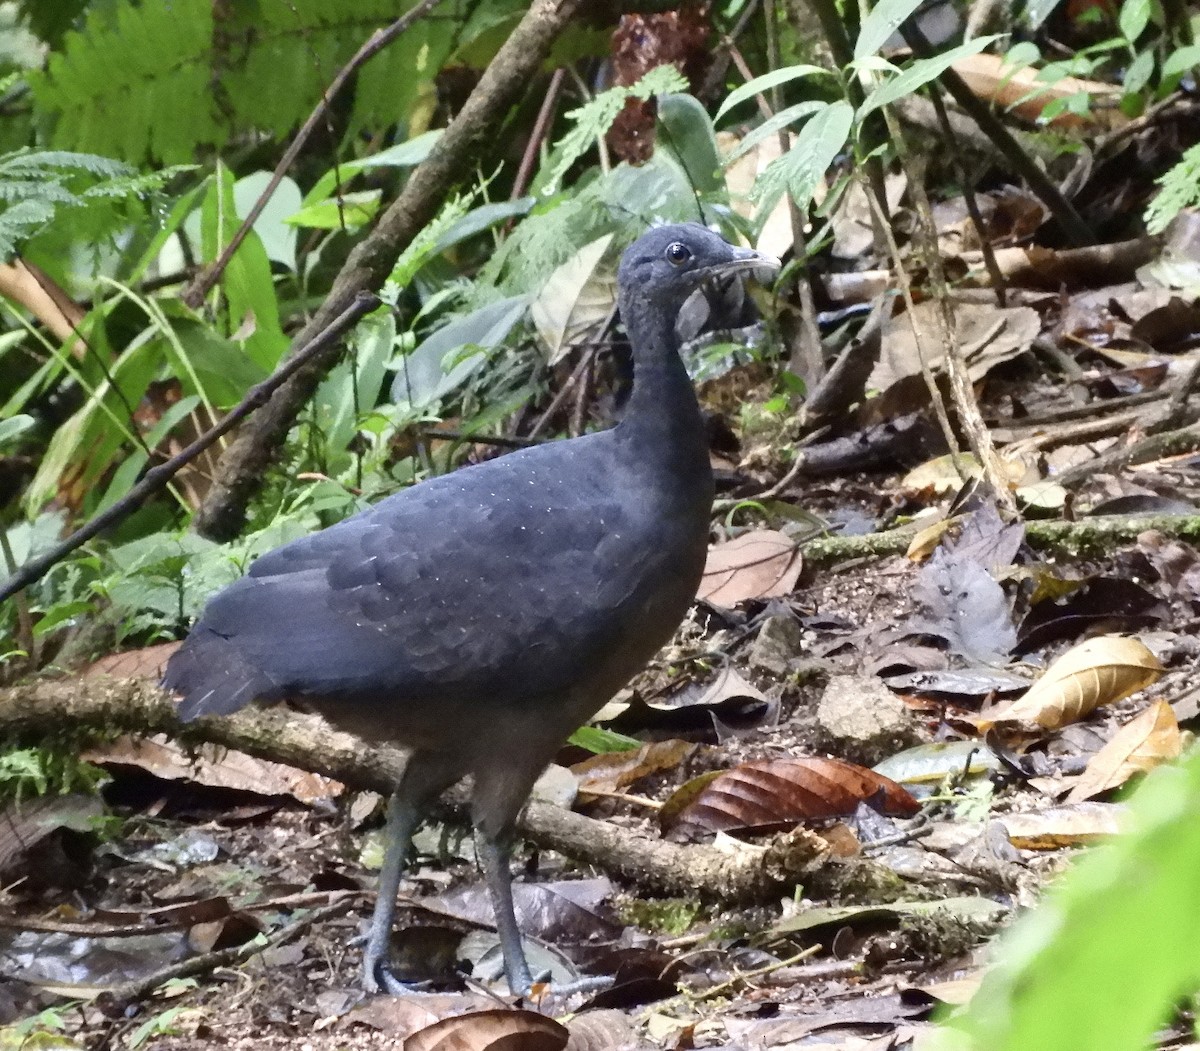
1099	671
924	542
1152	738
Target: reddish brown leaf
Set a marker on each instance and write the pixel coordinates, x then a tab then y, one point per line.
775	794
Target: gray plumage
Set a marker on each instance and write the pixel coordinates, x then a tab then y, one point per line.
480	617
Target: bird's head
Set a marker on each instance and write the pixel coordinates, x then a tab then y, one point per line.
663	267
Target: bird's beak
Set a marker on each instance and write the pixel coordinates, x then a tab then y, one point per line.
762	268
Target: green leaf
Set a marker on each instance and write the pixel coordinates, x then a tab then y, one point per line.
771	126
885	18
352	386
600	741
346	211
479	219
13	427
596	117
1181	60
1134	18
1138	75
685	129
761	85
1110	952
920	73
800	170
247	282
424	376
278	238
407	154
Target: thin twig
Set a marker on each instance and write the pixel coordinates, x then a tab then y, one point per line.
157	477
210	961
564	392
538	135
204	281
956	155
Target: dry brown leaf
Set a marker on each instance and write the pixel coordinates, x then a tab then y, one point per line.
498	1030
761	564
215	767
1064	826
1140	745
1099	671
146	663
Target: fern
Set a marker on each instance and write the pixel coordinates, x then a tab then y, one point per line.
40	186
596	117
223	71
1180	190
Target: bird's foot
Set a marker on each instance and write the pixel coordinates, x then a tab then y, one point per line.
562	990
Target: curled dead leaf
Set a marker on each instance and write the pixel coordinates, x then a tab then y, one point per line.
1099	671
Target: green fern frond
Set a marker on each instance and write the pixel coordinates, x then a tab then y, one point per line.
39	186
223	71
1180	190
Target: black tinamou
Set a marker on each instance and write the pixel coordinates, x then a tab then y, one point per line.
480	617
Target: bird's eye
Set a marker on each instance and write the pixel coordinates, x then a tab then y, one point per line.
678	253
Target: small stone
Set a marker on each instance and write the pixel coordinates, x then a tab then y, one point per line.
779	643
862	720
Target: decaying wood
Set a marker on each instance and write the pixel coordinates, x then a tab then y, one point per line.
81	707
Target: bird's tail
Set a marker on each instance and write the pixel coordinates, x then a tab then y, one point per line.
213	678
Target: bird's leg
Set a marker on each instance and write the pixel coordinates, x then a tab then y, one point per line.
494	855
425	776
402	817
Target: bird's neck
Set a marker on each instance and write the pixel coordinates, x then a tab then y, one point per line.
662	422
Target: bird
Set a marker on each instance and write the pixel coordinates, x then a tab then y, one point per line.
478	618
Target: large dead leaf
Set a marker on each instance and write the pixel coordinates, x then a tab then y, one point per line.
1099	671
1140	745
987	335
498	1030
777	794
215	767
575	299
762	564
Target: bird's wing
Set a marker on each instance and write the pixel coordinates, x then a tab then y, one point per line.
511	575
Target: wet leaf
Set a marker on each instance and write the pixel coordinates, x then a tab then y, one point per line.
934	762
963	908
498	1030
962	604
761	564
1099	671
1140	745
777	794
